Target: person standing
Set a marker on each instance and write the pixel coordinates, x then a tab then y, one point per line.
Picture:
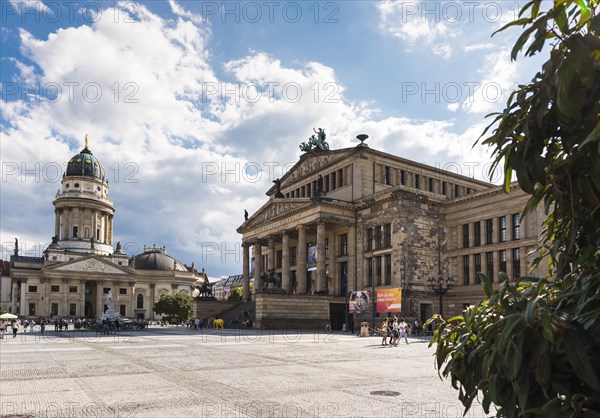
15	327
402	328
384	331
395	334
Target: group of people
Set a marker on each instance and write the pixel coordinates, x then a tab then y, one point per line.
396	329
16	325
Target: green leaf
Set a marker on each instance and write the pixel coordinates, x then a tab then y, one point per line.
578	357
487	284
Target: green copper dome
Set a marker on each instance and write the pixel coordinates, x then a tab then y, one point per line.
85	164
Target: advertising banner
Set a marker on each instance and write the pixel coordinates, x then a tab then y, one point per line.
359	302
389	300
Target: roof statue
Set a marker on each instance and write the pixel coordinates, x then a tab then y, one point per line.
316	143
86	141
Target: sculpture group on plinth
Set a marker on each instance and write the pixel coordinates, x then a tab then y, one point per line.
315	143
270	277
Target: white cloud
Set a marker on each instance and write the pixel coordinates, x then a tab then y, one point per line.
185	151
407	21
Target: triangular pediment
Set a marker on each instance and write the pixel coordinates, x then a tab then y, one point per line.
90	264
274	209
313	162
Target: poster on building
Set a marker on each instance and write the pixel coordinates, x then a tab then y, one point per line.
389	300
312	257
359	302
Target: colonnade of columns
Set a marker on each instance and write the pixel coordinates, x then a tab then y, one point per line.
64	217
269	241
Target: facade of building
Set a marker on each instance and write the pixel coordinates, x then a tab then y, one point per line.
81	266
357	218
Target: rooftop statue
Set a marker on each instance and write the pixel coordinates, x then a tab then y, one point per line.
317	142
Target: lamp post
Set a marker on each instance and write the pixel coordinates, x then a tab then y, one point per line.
440	287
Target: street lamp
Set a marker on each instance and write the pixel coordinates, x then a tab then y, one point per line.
440	287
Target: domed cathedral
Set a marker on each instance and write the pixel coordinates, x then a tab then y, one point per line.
80	267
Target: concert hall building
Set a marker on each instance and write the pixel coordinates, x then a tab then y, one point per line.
358	219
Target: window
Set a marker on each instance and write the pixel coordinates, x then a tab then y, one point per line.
466	275
417	181
32	309
72	309
98	234
502	260
516	259
489	265
378	270
32	289
333	181
387	175
140	301
489	231
456	190
344	244
369	239
326	183
279	258
106	290
123	291
54	309
388	269
477	262
292	256
502	229
430	184
370	271
444	188
72	289
122	310
55	288
75	231
516	226
377	237
340	177
465	236
326	247
387	235
402	177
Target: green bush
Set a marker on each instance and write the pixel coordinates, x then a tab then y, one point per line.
532	347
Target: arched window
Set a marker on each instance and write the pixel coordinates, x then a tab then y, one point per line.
140	301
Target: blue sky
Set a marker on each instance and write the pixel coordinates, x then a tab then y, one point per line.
195	107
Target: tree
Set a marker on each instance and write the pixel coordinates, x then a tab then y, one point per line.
179	306
531	348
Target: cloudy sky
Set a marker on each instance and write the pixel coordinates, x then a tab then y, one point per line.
195	107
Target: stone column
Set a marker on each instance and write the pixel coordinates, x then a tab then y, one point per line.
286	280
65	297
44	308
99	298
271	257
132	301
321	273
57	223
94	224
110	229
301	260
82	297
150	303
257	267
246	272
24	309
14	297
352	277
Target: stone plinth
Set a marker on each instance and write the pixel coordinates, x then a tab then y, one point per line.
277	311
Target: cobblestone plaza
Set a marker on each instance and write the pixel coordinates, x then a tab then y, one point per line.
174	372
